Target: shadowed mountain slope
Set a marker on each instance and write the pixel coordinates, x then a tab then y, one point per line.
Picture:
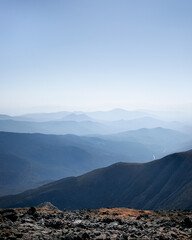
51	157
160	184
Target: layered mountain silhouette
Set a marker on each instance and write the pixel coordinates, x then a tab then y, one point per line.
160	184
77	117
54	127
85	123
161	140
112	115
51	157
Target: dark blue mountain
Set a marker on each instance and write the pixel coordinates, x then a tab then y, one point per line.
160	184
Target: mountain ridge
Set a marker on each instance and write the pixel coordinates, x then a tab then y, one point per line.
154	185
52	157
56	156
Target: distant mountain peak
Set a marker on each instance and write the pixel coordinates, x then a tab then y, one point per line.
78	117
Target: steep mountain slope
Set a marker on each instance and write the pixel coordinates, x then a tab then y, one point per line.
165	183
56	156
17	174
52	157
14	173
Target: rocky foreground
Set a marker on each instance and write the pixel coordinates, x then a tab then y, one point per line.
109	223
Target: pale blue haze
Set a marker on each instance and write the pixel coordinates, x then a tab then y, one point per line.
95	54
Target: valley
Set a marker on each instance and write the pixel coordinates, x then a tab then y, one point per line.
160	184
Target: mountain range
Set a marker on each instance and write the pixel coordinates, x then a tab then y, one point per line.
112	115
160	140
85	123
50	157
40	148
81	125
160	184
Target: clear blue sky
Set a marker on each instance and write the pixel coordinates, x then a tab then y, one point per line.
95	54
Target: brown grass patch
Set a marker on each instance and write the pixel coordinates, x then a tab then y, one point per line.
122	213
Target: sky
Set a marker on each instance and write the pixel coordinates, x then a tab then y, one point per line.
95	55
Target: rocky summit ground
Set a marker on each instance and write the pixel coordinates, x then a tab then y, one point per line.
109	223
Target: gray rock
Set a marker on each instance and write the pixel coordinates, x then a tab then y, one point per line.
31	211
47	205
55	223
187	222
9	214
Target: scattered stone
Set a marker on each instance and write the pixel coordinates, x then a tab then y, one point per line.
31	211
108	220
9	214
101	224
84	236
187	222
18	234
54	223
